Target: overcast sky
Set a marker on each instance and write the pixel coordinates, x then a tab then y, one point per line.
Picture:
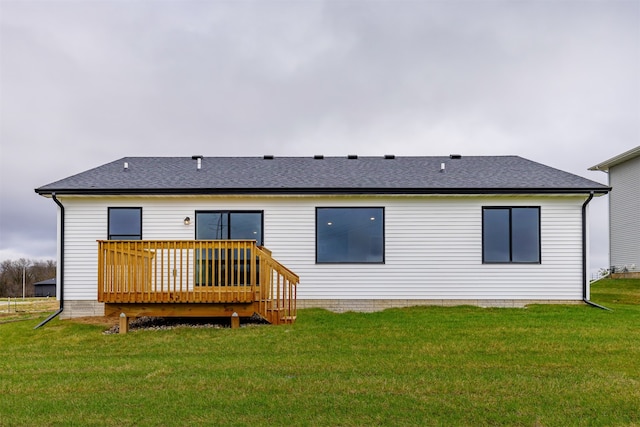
83	83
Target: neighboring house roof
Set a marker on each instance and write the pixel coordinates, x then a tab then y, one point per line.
45	282
620	158
322	175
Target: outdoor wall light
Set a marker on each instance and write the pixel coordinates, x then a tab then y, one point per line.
187	220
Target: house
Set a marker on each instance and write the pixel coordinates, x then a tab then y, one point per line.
145	235
624	212
45	288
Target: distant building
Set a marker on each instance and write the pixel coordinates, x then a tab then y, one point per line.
45	288
624	211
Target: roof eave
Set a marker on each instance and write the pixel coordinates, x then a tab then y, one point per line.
620	158
319	191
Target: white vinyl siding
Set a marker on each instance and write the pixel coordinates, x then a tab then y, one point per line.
624	215
433	245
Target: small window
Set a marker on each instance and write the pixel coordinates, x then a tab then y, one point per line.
125	224
349	235
511	235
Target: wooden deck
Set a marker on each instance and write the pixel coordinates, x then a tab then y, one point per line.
194	278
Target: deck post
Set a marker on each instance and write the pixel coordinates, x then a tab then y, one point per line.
235	321
124	323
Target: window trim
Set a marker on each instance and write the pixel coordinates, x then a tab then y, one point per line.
510	208
228	212
384	237
109	234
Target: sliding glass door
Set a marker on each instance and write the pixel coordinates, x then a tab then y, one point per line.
221	267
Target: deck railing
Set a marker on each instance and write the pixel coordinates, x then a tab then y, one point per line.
196	271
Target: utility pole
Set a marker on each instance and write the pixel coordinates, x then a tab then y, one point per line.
24	270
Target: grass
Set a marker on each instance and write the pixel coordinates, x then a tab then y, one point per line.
12	309
543	366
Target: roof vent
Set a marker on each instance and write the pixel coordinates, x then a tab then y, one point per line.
268	156
455	156
318	157
126	166
352	156
389	156
198	159
442	166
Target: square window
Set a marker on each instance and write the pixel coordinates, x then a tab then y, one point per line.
511	235
349	235
125	224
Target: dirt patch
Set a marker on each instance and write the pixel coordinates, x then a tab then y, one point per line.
107	322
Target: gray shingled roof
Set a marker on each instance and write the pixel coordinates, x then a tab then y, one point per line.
330	175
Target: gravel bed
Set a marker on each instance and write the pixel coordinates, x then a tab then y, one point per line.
167	323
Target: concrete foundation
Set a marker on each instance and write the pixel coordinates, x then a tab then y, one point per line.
369	305
82	309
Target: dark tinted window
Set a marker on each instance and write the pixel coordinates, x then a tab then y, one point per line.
212	225
212	266
511	235
350	235
525	235
496	235
246	226
221	225
125	224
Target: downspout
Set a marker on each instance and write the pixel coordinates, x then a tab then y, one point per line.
585	276
61	266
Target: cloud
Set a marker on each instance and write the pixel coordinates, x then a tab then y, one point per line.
84	83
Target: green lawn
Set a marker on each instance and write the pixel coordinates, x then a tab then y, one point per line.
543	366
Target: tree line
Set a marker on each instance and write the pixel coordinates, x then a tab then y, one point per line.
11	274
